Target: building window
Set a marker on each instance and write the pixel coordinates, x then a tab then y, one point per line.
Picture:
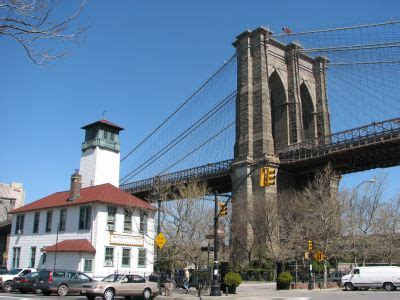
49	219
112	210
44	256
109	257
105	134
16	255
126	257
142	258
84	217
143	223
112	136
36	220
19	226
33	257
88	265
128	220
63	219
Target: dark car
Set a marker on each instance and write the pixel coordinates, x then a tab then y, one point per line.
61	282
26	283
3	270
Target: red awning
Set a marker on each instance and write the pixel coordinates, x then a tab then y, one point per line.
82	245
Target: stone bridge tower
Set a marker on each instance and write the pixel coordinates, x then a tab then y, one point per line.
281	100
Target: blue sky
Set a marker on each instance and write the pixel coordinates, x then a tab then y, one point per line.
139	61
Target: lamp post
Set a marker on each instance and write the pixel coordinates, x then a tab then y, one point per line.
353	195
215	284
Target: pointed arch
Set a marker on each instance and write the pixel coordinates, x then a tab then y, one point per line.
307	112
279	111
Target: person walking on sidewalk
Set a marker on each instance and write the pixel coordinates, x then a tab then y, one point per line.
186	279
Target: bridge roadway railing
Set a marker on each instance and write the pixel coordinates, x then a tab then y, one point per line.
373	133
211	170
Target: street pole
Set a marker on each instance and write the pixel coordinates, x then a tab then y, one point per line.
158	232
310	279
215	284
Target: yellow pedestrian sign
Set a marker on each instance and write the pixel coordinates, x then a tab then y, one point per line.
160	240
319	255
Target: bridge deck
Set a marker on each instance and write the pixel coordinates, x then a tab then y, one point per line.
373	146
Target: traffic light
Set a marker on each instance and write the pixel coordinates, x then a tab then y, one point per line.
223	209
310	245
271	176
262	176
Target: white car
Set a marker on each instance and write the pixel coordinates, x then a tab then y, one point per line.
7	279
386	277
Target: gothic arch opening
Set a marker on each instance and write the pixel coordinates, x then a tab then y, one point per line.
279	113
307	111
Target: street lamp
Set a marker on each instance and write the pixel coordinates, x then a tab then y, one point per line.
353	195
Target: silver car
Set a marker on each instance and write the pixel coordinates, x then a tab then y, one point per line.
120	285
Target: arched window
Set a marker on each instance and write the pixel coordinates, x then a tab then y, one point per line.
308	114
279	111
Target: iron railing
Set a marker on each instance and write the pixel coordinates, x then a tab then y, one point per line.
211	170
376	132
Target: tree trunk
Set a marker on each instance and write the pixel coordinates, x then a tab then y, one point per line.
325	274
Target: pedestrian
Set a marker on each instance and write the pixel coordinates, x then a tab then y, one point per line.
186	279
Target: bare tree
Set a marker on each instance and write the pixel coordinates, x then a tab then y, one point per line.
186	214
32	22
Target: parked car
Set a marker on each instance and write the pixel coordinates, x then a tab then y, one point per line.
6	280
61	282
26	283
120	285
386	277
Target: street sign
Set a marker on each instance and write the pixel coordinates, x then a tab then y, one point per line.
160	240
319	255
205	248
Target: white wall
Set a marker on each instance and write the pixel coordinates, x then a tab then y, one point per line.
99	236
43	239
99	166
103	240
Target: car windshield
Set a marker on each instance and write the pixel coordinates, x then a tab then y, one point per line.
113	278
14	271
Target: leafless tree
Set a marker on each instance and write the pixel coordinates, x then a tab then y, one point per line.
185	218
31	23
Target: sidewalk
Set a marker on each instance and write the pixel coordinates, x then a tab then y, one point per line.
248	290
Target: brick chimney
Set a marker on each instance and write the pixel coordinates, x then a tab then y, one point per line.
75	189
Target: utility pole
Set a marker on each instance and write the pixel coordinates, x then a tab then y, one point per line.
215	284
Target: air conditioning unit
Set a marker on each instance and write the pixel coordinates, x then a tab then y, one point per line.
108	263
19	231
110	227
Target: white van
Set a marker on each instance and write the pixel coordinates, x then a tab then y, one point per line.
387	277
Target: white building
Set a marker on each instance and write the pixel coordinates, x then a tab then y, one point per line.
98	229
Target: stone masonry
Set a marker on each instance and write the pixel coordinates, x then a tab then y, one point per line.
281	99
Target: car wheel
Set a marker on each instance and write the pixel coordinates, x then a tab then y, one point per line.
108	294
7	287
38	291
348	286
388	286
147	294
62	290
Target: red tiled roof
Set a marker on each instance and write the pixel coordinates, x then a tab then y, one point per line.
103	121
104	193
81	245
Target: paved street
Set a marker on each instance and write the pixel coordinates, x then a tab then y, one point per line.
254	291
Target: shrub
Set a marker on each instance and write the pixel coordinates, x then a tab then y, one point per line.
232	279
284	280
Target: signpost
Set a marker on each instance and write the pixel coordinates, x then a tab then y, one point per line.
319	255
160	240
